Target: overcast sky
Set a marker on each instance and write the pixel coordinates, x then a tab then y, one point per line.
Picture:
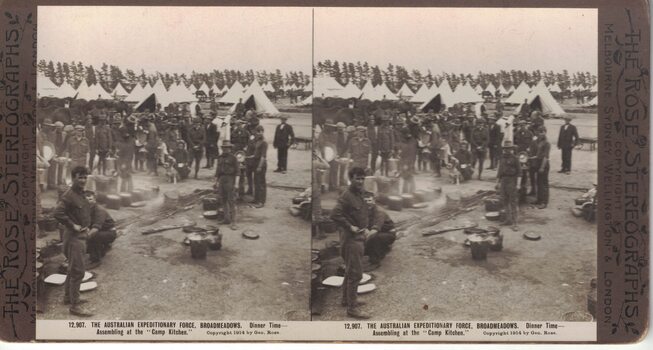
178	39
460	40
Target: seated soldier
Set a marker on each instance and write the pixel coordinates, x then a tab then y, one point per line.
464	157
180	159
379	242
102	233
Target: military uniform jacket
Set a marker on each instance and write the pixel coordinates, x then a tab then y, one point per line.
101	220
359	148
212	135
103	138
480	137
197	137
385	139
283	136
77	149
240	139
523	138
351	209
73	208
508	166
495	135
227	165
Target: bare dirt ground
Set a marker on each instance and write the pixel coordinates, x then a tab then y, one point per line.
435	278
154	277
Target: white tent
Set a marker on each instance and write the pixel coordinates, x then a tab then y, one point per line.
511	90
138	93
119	92
268	87
384	93
595	88
204	87
405	92
45	87
66	90
327	86
92	92
478	89
491	89
502	90
541	84
352	91
177	93
519	94
540	98
466	94
555	88
422	94
254	97
235	92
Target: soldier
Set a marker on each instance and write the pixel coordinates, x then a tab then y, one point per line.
494	141
103	143
101	234
507	175
151	146
74	212
226	178
260	156
240	140
542	163
197	138
211	142
359	148
352	214
480	140
371	135
567	140
89	130
77	147
523	141
284	137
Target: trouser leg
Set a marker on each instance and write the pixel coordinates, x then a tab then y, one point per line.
353	256
75	253
543	186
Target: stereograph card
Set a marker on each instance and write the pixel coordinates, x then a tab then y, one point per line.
421	172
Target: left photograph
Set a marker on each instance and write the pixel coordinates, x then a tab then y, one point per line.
174	164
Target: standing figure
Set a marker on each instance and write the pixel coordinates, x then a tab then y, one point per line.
73	211
284	137
151	146
197	139
352	215
103	143
260	156
227	173
494	141
77	147
211	142
385	142
358	147
507	176
543	150
567	140
480	141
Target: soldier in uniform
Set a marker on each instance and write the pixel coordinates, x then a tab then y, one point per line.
509	170
480	140
211	143
359	148
77	147
260	161
542	164
102	231
352	214
73	211
226	177
197	138
523	141
240	140
385	142
494	141
284	137
103	143
151	145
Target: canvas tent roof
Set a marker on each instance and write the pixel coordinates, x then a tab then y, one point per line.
92	92
307	101
422	94
466	94
328	87
66	90
593	102
595	88
478	89
519	94
502	90
178	94
540	98
254	97
352	91
204	87
555	88
511	89
490	88
235	92
45	87
268	87
405	91
384	92
138	93
119	92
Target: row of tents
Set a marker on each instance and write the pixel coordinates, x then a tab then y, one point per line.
252	96
435	96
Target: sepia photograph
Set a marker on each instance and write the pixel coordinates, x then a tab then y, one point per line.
174	164
454	164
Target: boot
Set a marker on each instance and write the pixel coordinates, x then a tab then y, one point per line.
78	310
357	313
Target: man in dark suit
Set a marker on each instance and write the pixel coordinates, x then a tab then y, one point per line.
284	137
567	140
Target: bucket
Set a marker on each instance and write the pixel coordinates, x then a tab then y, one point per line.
138	195
112	185
496	242
479	247
111	163
101	184
125	199
209	203
214	241
198	246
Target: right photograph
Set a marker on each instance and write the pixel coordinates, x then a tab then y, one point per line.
454	164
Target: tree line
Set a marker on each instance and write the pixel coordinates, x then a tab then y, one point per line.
109	76
395	76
